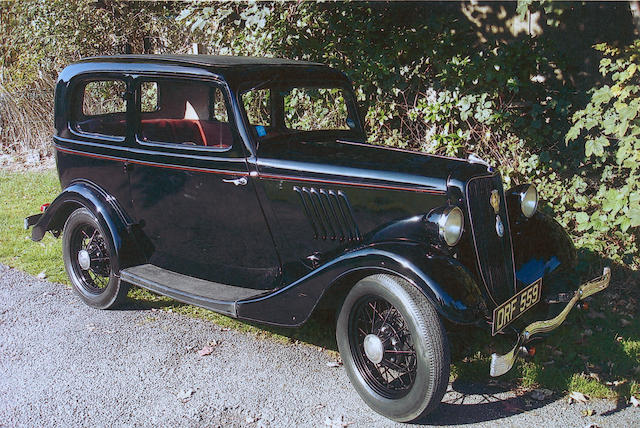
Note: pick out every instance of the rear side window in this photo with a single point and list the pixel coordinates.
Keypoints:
(101, 108)
(184, 112)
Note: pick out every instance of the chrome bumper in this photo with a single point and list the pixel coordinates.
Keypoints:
(500, 364)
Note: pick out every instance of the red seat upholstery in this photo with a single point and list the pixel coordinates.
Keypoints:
(218, 134)
(200, 132)
(173, 131)
(182, 131)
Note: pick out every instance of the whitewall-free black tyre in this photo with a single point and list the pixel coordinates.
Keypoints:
(89, 261)
(394, 347)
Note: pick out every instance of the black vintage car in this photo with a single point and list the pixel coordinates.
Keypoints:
(243, 185)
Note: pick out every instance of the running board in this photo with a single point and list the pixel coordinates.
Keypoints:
(220, 298)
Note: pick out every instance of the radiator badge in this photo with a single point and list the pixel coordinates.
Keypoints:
(499, 226)
(494, 200)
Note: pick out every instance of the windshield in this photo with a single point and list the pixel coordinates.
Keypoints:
(301, 111)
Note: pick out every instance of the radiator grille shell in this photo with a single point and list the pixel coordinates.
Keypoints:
(494, 254)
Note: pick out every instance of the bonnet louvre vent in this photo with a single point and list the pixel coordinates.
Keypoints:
(329, 214)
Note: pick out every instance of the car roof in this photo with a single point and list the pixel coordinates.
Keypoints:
(236, 70)
(206, 60)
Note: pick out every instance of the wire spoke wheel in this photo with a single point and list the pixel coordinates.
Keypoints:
(90, 258)
(382, 347)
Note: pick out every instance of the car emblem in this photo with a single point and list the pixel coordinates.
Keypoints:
(499, 226)
(494, 200)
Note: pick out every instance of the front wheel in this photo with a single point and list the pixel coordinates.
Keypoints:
(394, 347)
(88, 259)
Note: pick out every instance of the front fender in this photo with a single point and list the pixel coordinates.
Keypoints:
(111, 217)
(541, 246)
(446, 283)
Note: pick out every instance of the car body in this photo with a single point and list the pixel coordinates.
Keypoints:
(206, 181)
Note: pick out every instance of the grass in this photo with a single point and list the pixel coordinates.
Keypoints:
(594, 352)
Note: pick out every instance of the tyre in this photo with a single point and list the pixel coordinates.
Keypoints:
(89, 261)
(394, 347)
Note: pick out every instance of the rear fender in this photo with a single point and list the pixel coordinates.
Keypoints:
(444, 282)
(83, 194)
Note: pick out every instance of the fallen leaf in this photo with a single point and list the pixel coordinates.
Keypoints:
(41, 275)
(225, 329)
(577, 396)
(334, 364)
(588, 412)
(616, 383)
(595, 376)
(185, 394)
(634, 401)
(541, 394)
(207, 350)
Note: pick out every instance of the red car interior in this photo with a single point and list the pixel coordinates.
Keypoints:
(209, 133)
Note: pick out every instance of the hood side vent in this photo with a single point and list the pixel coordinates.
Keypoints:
(329, 213)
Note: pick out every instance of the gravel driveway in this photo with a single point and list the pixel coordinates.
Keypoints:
(65, 364)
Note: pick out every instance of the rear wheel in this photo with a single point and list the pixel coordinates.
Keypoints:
(88, 260)
(394, 347)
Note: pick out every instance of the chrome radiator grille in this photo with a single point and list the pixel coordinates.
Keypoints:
(494, 253)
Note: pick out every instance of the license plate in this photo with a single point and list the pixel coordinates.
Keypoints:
(507, 312)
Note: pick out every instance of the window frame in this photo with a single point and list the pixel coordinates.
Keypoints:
(232, 151)
(352, 106)
(75, 105)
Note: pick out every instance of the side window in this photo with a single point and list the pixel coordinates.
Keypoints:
(312, 109)
(101, 108)
(218, 106)
(258, 108)
(149, 97)
(184, 112)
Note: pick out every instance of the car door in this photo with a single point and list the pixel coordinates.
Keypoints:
(193, 196)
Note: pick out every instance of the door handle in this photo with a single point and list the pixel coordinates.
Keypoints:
(242, 181)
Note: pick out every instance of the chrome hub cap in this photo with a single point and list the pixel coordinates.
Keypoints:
(373, 348)
(84, 260)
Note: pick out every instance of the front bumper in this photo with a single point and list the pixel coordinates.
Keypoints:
(501, 364)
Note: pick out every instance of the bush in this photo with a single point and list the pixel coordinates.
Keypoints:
(607, 192)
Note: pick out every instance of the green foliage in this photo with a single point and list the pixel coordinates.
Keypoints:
(608, 128)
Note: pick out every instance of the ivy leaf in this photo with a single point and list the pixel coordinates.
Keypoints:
(572, 134)
(602, 95)
(634, 216)
(596, 146)
(582, 218)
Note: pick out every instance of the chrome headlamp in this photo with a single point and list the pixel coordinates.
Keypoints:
(524, 198)
(451, 225)
(529, 201)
